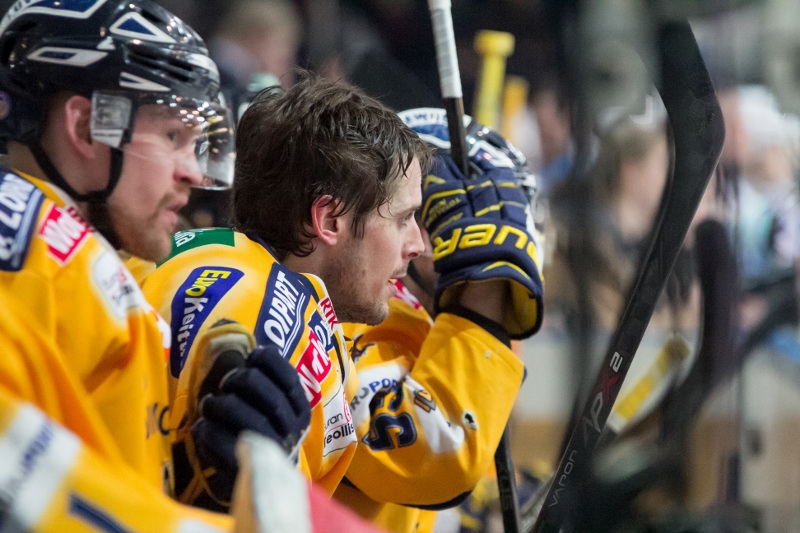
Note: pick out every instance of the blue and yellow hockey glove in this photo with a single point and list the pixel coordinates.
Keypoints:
(481, 229)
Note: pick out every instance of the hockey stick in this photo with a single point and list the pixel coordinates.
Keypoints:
(716, 268)
(609, 498)
(698, 130)
(450, 80)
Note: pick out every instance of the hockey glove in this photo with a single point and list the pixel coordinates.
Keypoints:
(481, 229)
(238, 388)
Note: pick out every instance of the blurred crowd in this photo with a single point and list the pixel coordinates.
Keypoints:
(597, 229)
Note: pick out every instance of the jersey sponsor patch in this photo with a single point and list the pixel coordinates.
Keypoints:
(339, 429)
(37, 456)
(64, 231)
(313, 367)
(282, 315)
(374, 381)
(192, 304)
(117, 285)
(194, 238)
(20, 202)
(330, 315)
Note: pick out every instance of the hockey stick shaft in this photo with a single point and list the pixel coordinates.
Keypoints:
(450, 80)
(696, 123)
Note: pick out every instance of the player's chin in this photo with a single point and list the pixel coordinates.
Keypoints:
(154, 245)
(378, 314)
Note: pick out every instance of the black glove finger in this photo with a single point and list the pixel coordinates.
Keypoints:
(257, 389)
(236, 415)
(215, 445)
(284, 375)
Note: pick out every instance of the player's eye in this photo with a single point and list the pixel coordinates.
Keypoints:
(406, 219)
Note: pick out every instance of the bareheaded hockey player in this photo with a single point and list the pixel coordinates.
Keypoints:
(108, 111)
(327, 184)
(438, 378)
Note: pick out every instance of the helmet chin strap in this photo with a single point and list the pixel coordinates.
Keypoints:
(97, 207)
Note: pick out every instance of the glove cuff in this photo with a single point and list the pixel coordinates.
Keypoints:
(522, 318)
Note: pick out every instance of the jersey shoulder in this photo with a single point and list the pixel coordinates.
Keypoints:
(39, 229)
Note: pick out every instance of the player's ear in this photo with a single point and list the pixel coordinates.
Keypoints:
(327, 221)
(76, 113)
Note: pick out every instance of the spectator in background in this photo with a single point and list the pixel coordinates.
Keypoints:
(255, 46)
(768, 216)
(625, 191)
(257, 37)
(602, 226)
(550, 107)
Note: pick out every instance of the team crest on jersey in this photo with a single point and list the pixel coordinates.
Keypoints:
(356, 351)
(192, 304)
(64, 231)
(20, 202)
(77, 9)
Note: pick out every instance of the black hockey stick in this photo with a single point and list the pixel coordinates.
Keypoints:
(698, 130)
(608, 499)
(450, 80)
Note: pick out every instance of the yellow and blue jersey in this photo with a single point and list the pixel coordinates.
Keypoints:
(433, 401)
(216, 274)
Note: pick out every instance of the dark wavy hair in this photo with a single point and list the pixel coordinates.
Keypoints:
(317, 138)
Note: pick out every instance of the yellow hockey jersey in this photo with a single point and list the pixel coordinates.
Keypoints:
(433, 402)
(84, 302)
(218, 273)
(62, 469)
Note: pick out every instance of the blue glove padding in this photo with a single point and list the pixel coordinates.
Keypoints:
(262, 395)
(481, 229)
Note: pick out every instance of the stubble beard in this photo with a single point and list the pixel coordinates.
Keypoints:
(151, 242)
(343, 281)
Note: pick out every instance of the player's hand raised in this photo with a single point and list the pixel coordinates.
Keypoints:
(480, 228)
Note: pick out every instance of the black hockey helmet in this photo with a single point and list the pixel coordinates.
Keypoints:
(430, 123)
(122, 54)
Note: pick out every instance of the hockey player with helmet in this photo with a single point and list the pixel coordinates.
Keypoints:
(109, 116)
(438, 381)
(327, 183)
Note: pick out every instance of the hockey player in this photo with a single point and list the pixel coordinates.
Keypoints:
(62, 467)
(108, 111)
(437, 379)
(327, 183)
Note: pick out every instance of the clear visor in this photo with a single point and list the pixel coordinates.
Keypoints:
(194, 137)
